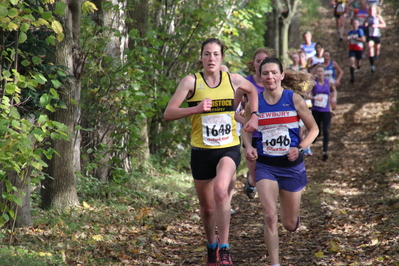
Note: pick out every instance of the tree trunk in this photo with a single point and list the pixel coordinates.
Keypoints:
(23, 213)
(278, 25)
(286, 19)
(107, 19)
(138, 19)
(59, 189)
(272, 34)
(294, 34)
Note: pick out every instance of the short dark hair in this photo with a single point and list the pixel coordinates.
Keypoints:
(274, 60)
(223, 47)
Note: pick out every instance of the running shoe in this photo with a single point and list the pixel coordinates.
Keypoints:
(372, 69)
(212, 257)
(249, 190)
(324, 156)
(307, 152)
(225, 257)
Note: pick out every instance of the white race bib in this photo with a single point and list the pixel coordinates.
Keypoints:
(217, 129)
(321, 100)
(328, 73)
(341, 8)
(275, 140)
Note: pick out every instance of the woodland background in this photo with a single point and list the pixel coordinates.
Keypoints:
(92, 175)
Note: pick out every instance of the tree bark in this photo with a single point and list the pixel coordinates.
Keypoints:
(294, 34)
(23, 213)
(286, 19)
(138, 19)
(59, 190)
(278, 25)
(272, 34)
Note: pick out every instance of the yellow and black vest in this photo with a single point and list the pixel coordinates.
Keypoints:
(216, 128)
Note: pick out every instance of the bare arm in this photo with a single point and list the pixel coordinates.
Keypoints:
(250, 152)
(382, 22)
(306, 116)
(173, 110)
(241, 83)
(333, 96)
(239, 94)
(309, 65)
(340, 72)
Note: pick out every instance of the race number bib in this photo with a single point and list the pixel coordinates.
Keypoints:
(275, 140)
(340, 9)
(321, 100)
(217, 129)
(328, 73)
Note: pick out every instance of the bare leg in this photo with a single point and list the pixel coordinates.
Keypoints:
(223, 191)
(377, 49)
(289, 208)
(268, 192)
(204, 189)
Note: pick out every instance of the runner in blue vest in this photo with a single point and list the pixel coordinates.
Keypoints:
(280, 168)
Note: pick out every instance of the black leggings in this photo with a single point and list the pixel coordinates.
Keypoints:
(323, 121)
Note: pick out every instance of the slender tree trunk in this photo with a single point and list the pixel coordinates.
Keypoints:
(294, 34)
(107, 19)
(138, 19)
(59, 190)
(23, 212)
(286, 19)
(272, 34)
(278, 25)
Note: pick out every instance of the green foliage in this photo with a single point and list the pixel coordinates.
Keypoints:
(121, 222)
(389, 163)
(309, 11)
(135, 91)
(29, 86)
(21, 255)
(243, 33)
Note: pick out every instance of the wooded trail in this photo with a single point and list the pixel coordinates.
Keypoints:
(349, 211)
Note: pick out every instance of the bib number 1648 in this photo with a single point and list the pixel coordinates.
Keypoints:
(221, 131)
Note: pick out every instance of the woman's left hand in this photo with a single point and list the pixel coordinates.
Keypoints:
(293, 154)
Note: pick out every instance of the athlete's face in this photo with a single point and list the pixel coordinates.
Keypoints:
(355, 24)
(302, 57)
(307, 37)
(319, 49)
(295, 58)
(258, 60)
(373, 11)
(212, 57)
(320, 72)
(271, 76)
(326, 56)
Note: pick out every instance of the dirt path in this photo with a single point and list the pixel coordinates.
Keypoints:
(349, 211)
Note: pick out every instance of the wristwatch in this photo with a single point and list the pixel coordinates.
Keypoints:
(300, 149)
(255, 112)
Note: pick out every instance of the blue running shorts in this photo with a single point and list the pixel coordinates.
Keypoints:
(291, 179)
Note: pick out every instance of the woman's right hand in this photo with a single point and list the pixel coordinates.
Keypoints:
(205, 105)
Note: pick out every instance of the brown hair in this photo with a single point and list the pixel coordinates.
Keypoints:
(223, 48)
(268, 52)
(293, 80)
